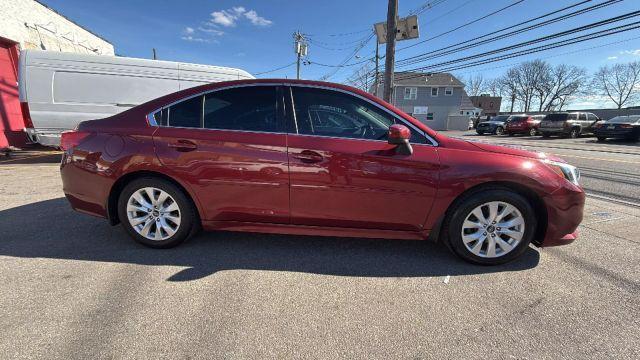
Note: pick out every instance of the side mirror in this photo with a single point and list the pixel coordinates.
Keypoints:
(399, 135)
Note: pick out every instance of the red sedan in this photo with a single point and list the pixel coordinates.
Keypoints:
(312, 158)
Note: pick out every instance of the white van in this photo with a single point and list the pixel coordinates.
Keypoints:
(59, 90)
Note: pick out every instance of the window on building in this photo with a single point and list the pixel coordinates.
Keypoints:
(429, 116)
(410, 93)
(448, 91)
(250, 108)
(461, 112)
(434, 91)
(187, 113)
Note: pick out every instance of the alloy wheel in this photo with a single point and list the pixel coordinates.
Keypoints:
(153, 213)
(499, 130)
(532, 132)
(493, 229)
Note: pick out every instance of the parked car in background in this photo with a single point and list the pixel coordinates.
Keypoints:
(627, 127)
(58, 90)
(523, 124)
(495, 126)
(571, 124)
(231, 156)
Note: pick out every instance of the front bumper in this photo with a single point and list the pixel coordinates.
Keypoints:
(565, 208)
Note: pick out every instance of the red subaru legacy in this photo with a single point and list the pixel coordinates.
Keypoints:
(312, 158)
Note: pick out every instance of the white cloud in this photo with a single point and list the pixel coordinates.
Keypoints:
(210, 29)
(630, 52)
(612, 57)
(257, 20)
(230, 17)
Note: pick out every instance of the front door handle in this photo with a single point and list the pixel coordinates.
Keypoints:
(308, 156)
(183, 145)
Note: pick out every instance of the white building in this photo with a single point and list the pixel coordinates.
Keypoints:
(29, 24)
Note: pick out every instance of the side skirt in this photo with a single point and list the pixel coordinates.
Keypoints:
(313, 230)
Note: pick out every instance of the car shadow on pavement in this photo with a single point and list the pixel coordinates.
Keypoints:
(50, 229)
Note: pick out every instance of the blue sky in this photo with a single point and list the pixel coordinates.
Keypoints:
(257, 35)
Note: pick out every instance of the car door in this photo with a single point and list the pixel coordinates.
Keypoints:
(229, 145)
(343, 172)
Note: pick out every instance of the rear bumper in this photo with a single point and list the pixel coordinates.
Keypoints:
(565, 209)
(622, 133)
(554, 130)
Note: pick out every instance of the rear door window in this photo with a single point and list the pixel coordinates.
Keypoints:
(583, 116)
(187, 113)
(251, 108)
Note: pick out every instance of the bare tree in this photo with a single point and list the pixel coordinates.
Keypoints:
(509, 87)
(475, 85)
(620, 82)
(494, 87)
(363, 78)
(565, 81)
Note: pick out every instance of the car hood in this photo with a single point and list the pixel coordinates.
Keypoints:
(499, 149)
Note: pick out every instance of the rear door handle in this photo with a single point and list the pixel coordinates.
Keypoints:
(183, 145)
(308, 156)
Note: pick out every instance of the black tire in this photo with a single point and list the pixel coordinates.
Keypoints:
(462, 208)
(533, 132)
(601, 138)
(546, 135)
(189, 219)
(575, 133)
(499, 130)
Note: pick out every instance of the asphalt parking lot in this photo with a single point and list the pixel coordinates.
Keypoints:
(75, 287)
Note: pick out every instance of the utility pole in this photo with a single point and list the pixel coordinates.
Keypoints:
(300, 48)
(376, 80)
(392, 25)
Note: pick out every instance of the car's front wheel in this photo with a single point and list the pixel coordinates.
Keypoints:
(533, 132)
(491, 227)
(156, 213)
(499, 130)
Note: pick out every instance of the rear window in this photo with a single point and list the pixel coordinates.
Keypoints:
(500, 118)
(556, 117)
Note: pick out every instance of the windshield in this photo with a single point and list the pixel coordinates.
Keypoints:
(631, 119)
(556, 117)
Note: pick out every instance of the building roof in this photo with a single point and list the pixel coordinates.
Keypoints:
(80, 26)
(426, 79)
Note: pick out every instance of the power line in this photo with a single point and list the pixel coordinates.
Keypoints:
(461, 26)
(541, 39)
(276, 69)
(426, 6)
(457, 47)
(595, 35)
(349, 57)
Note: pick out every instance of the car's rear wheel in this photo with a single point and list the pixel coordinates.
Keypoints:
(532, 132)
(156, 213)
(499, 130)
(575, 133)
(491, 227)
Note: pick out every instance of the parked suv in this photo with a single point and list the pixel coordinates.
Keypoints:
(572, 124)
(523, 124)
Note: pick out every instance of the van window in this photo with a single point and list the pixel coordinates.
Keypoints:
(251, 108)
(187, 113)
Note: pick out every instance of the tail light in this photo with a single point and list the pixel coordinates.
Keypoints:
(72, 138)
(26, 116)
(598, 126)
